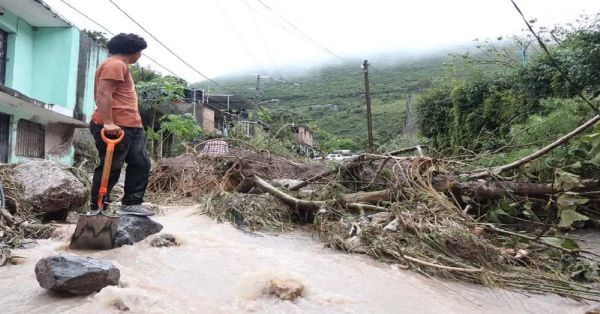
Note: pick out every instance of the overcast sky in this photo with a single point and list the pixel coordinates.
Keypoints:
(222, 37)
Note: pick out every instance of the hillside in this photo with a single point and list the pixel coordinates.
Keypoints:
(331, 99)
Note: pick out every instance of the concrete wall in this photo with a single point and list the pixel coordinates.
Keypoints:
(57, 142)
(208, 120)
(305, 136)
(55, 59)
(42, 62)
(19, 66)
(90, 57)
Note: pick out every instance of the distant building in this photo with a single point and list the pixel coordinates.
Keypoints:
(47, 71)
(220, 113)
(304, 136)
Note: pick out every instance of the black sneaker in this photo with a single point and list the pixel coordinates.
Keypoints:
(136, 210)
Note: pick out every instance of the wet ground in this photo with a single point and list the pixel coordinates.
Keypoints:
(219, 269)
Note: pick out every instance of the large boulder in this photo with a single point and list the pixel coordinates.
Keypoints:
(49, 187)
(75, 274)
(132, 229)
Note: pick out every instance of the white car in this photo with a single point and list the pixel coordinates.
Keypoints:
(336, 157)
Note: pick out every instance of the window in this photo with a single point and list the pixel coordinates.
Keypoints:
(30, 139)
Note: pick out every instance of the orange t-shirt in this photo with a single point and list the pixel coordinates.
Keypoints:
(125, 111)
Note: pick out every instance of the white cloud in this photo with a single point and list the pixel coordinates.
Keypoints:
(225, 36)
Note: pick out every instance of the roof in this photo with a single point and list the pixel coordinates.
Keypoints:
(36, 12)
(235, 102)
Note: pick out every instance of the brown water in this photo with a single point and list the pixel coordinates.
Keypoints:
(219, 269)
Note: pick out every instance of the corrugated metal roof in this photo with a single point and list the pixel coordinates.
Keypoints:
(235, 102)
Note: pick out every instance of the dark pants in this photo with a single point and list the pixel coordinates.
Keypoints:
(132, 150)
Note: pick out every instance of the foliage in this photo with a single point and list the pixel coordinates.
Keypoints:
(264, 114)
(97, 36)
(332, 98)
(144, 74)
(184, 127)
(476, 111)
(159, 92)
(156, 96)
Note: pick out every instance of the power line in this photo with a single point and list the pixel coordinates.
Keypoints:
(239, 37)
(300, 31)
(112, 34)
(262, 38)
(161, 43)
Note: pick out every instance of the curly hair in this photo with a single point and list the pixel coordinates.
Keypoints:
(126, 44)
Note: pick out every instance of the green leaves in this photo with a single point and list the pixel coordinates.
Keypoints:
(184, 127)
(560, 242)
(567, 204)
(566, 181)
(158, 92)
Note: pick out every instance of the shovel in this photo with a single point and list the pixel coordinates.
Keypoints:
(95, 229)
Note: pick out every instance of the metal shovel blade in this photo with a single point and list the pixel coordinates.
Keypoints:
(94, 231)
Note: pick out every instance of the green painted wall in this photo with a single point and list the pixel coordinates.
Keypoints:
(55, 58)
(43, 64)
(19, 65)
(18, 114)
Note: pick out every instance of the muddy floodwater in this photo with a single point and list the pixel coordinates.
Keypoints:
(219, 269)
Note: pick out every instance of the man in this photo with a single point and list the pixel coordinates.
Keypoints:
(117, 111)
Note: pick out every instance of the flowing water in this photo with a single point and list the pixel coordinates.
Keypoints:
(219, 269)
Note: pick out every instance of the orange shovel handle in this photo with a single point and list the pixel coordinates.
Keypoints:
(108, 158)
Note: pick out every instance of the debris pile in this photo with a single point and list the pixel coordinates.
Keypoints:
(418, 212)
(194, 175)
(252, 211)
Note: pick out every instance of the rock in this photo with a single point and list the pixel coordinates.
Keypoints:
(286, 289)
(76, 275)
(49, 187)
(393, 225)
(132, 229)
(164, 240)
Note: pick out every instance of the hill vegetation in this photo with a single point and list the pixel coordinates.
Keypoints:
(332, 99)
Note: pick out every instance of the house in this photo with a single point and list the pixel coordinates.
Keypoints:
(220, 113)
(303, 133)
(304, 136)
(47, 69)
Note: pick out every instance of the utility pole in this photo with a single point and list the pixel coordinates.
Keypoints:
(256, 99)
(368, 99)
